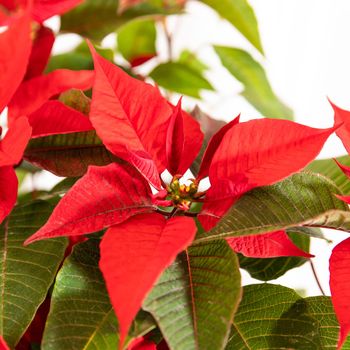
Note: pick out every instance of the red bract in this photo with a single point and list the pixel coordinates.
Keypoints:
(142, 344)
(341, 116)
(340, 287)
(139, 126)
(132, 119)
(42, 9)
(134, 254)
(3, 345)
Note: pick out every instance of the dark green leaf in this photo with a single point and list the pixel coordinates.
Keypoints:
(95, 19)
(179, 77)
(240, 14)
(68, 154)
(194, 300)
(257, 89)
(330, 169)
(275, 317)
(303, 199)
(137, 40)
(272, 268)
(26, 272)
(81, 316)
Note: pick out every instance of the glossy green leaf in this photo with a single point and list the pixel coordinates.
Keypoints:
(195, 299)
(271, 268)
(257, 89)
(303, 199)
(136, 40)
(240, 14)
(179, 77)
(95, 19)
(275, 317)
(68, 154)
(26, 272)
(330, 169)
(81, 316)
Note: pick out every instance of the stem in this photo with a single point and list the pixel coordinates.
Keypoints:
(316, 277)
(169, 39)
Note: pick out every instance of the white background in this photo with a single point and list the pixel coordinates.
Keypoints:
(307, 58)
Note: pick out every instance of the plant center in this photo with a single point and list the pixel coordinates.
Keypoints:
(182, 195)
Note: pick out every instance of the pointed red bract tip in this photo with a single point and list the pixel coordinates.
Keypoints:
(145, 245)
(175, 140)
(345, 169)
(3, 345)
(268, 245)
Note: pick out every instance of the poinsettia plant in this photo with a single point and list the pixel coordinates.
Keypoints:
(140, 245)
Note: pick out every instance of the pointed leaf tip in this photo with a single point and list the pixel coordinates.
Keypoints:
(142, 246)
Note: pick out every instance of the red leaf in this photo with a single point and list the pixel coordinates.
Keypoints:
(175, 140)
(268, 245)
(128, 114)
(8, 193)
(105, 196)
(15, 46)
(15, 142)
(3, 345)
(33, 93)
(42, 45)
(265, 151)
(133, 256)
(212, 147)
(345, 169)
(193, 139)
(339, 266)
(342, 116)
(142, 343)
(54, 117)
(43, 9)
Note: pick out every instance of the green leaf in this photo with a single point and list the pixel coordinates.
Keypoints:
(81, 315)
(77, 100)
(194, 300)
(257, 89)
(330, 169)
(77, 59)
(271, 268)
(240, 14)
(26, 272)
(137, 40)
(179, 77)
(68, 154)
(276, 317)
(303, 199)
(95, 19)
(189, 59)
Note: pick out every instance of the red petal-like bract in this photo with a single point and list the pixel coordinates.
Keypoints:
(15, 142)
(142, 343)
(132, 118)
(15, 46)
(129, 115)
(268, 245)
(342, 116)
(105, 196)
(33, 93)
(212, 147)
(134, 254)
(8, 193)
(175, 140)
(339, 267)
(42, 9)
(265, 151)
(3, 345)
(54, 117)
(257, 153)
(41, 50)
